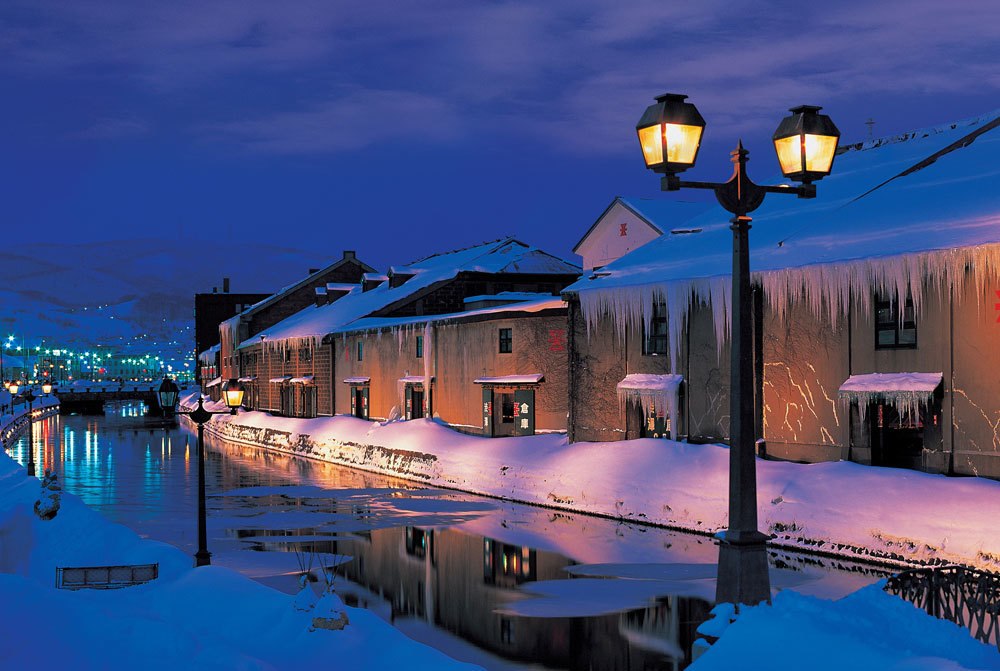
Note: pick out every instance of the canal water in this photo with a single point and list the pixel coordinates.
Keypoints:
(503, 585)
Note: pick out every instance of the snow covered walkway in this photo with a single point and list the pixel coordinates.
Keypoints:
(205, 618)
(840, 508)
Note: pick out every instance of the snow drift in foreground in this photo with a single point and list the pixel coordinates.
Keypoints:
(206, 618)
(868, 629)
(841, 508)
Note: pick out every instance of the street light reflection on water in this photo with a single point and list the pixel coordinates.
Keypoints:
(511, 582)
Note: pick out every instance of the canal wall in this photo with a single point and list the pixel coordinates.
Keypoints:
(13, 426)
(887, 516)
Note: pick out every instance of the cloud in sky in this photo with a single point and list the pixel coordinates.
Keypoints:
(517, 68)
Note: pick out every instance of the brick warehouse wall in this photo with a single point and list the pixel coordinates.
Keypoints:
(459, 352)
(271, 362)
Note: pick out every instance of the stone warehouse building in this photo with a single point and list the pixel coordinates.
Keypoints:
(250, 322)
(405, 340)
(875, 329)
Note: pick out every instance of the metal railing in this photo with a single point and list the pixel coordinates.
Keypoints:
(105, 577)
(968, 597)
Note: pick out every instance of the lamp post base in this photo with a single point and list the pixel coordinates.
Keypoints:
(202, 558)
(743, 577)
(31, 469)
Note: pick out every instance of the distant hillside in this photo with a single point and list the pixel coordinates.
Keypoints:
(132, 290)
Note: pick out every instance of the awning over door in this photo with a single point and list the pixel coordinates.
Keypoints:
(305, 379)
(904, 391)
(414, 379)
(252, 378)
(357, 380)
(651, 391)
(279, 380)
(510, 380)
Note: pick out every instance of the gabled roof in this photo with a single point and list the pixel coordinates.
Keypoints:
(499, 256)
(348, 257)
(933, 189)
(659, 214)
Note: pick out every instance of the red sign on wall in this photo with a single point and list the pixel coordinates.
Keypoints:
(996, 306)
(623, 230)
(557, 340)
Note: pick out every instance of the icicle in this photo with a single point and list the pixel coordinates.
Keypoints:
(826, 289)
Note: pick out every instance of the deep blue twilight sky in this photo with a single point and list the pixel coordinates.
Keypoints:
(402, 128)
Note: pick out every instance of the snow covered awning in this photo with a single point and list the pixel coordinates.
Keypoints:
(534, 378)
(414, 379)
(357, 380)
(213, 383)
(904, 391)
(655, 393)
(279, 380)
(252, 378)
(305, 379)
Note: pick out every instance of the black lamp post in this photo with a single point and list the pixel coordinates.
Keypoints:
(670, 134)
(166, 396)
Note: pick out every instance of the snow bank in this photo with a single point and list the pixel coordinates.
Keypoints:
(205, 618)
(868, 629)
(840, 508)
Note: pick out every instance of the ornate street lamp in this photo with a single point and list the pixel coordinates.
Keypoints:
(232, 392)
(47, 387)
(166, 396)
(13, 387)
(806, 142)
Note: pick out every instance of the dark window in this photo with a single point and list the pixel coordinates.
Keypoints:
(305, 355)
(361, 351)
(506, 341)
(420, 347)
(287, 355)
(655, 342)
(893, 329)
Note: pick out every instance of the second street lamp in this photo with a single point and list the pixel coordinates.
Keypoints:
(670, 134)
(166, 396)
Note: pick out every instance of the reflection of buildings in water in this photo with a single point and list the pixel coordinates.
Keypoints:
(458, 581)
(668, 628)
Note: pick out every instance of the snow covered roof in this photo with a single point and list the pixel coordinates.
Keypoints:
(305, 379)
(534, 378)
(357, 380)
(639, 382)
(918, 205)
(500, 256)
(891, 382)
(905, 391)
(661, 214)
(280, 379)
(885, 197)
(208, 356)
(511, 296)
(371, 323)
(414, 379)
(250, 378)
(280, 293)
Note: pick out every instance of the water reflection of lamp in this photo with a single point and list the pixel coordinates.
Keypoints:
(166, 396)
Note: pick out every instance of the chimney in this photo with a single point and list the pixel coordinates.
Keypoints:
(398, 278)
(349, 254)
(225, 285)
(371, 280)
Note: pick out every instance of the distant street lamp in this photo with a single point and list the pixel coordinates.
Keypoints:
(166, 396)
(670, 134)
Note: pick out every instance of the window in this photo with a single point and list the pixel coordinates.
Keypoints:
(287, 355)
(361, 351)
(892, 329)
(305, 355)
(655, 343)
(506, 341)
(420, 347)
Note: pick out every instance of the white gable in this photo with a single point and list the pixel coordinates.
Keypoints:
(615, 234)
